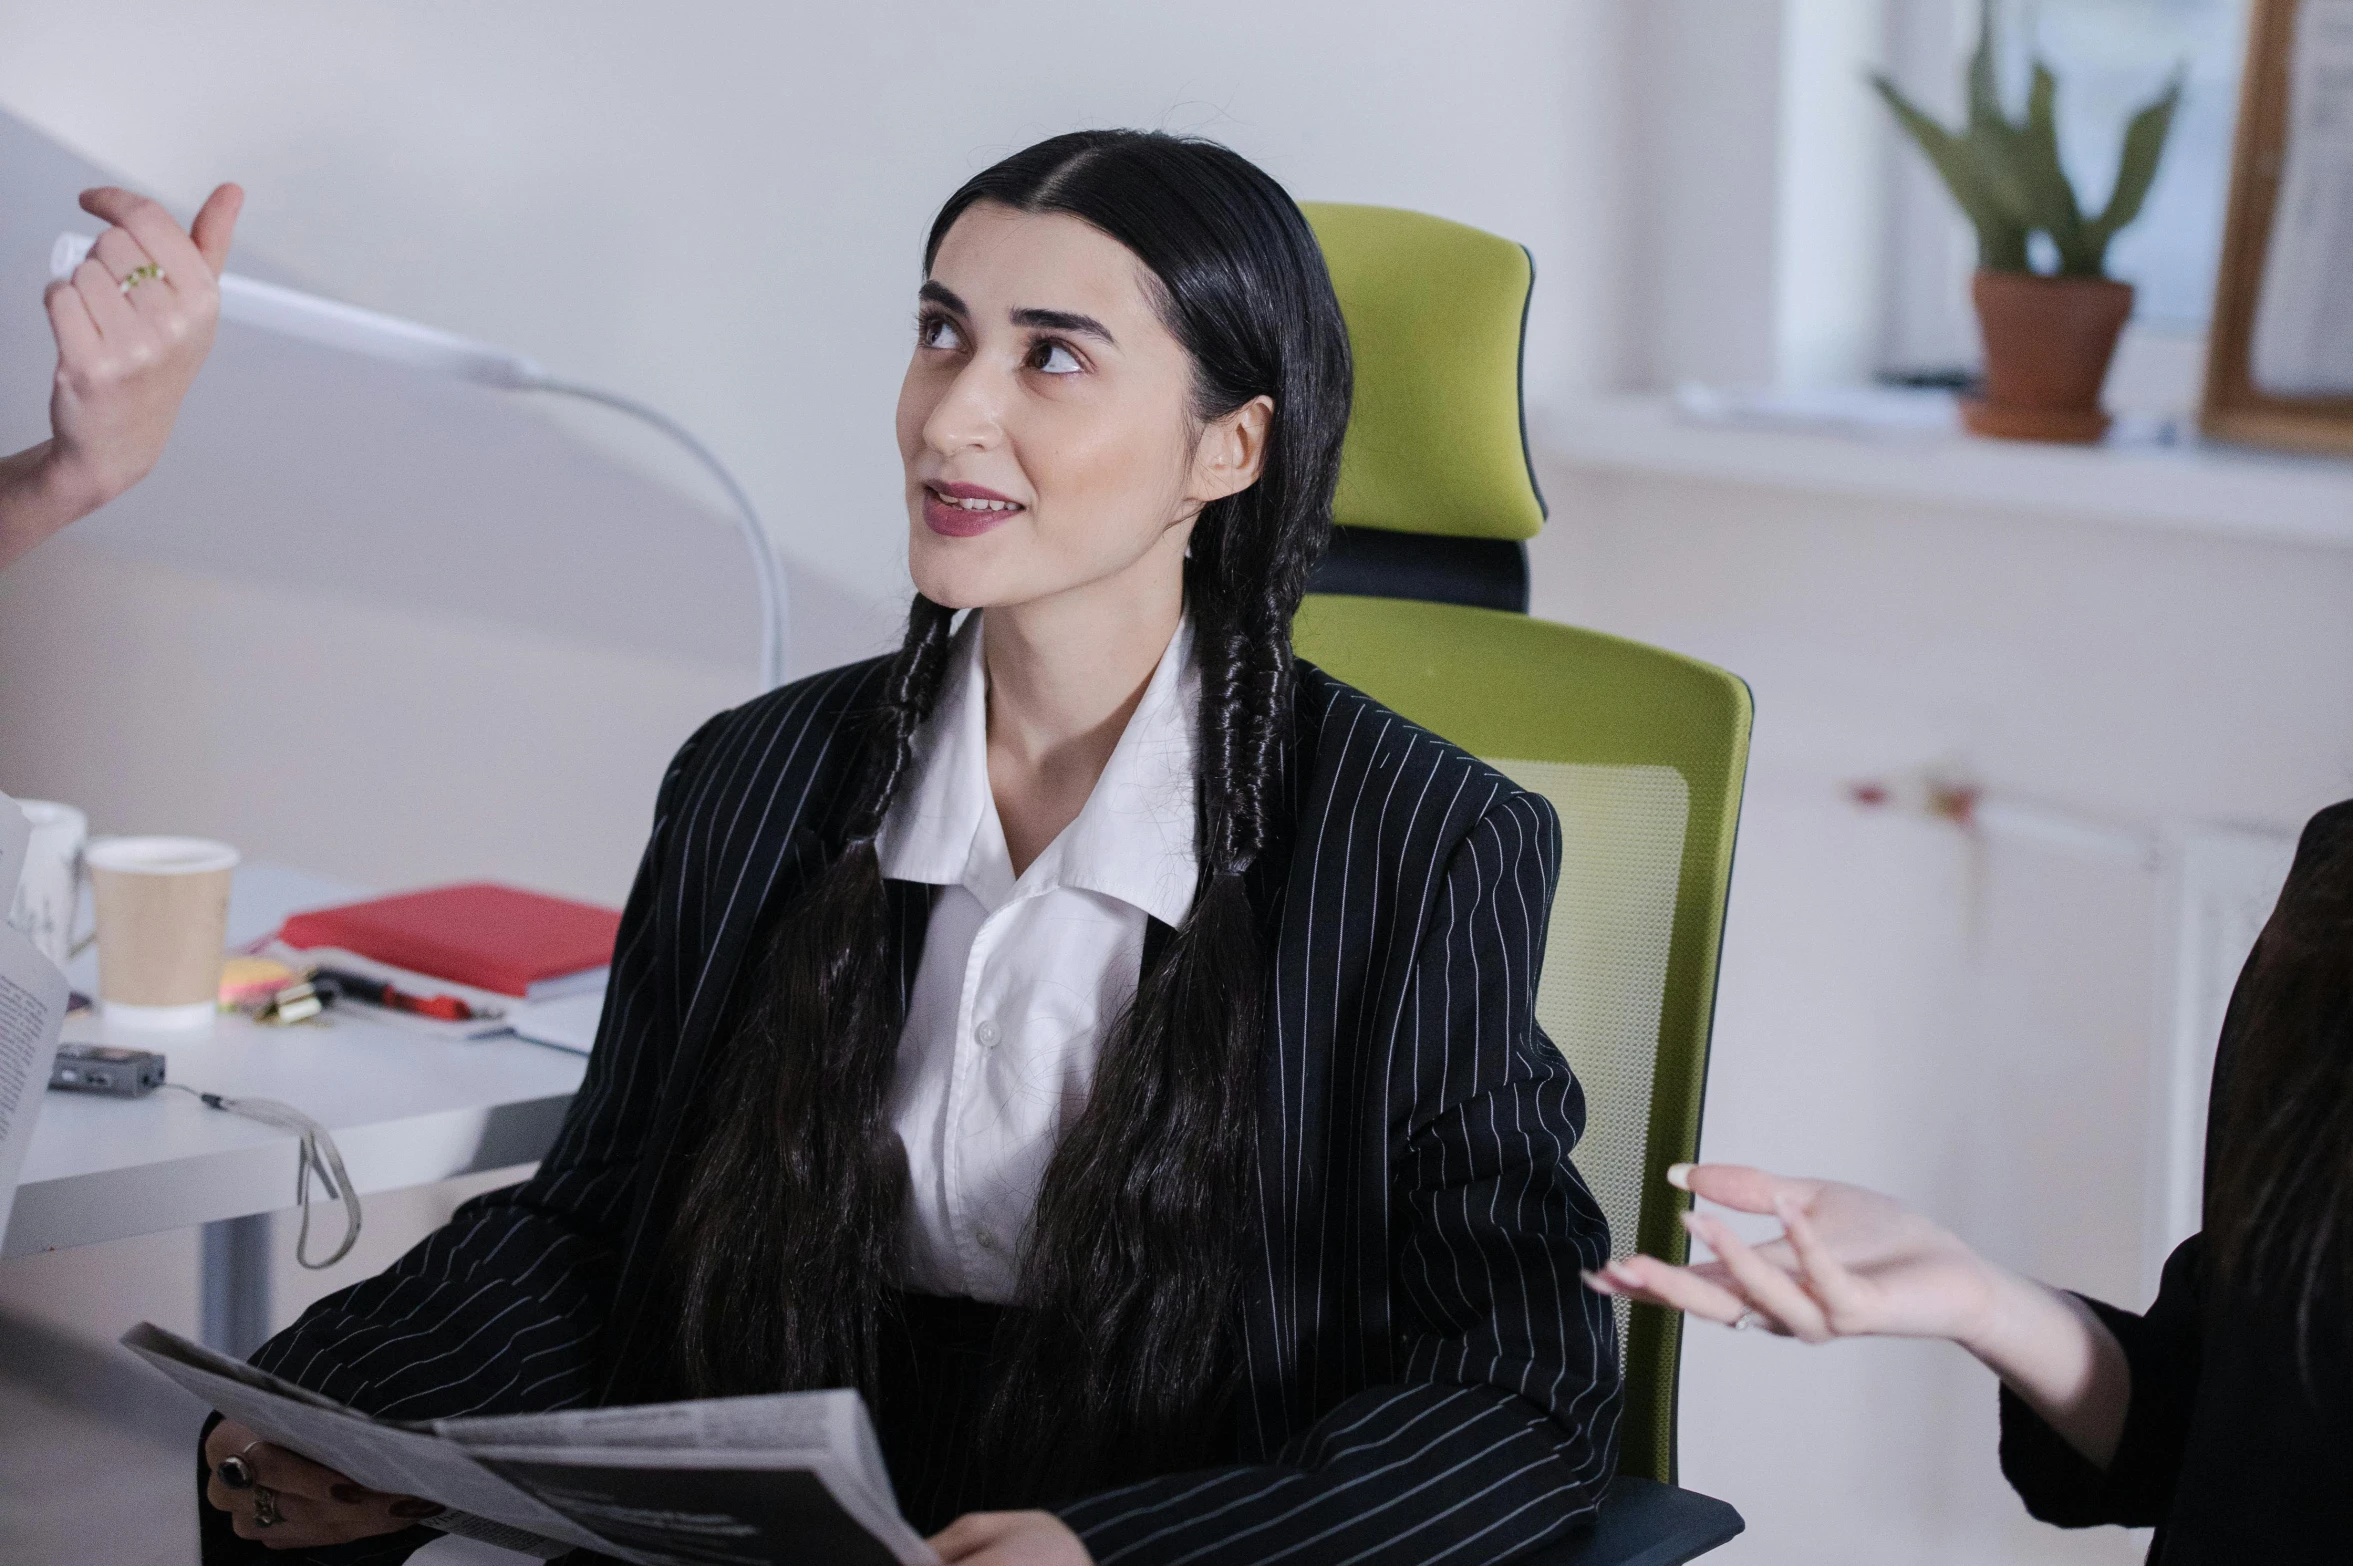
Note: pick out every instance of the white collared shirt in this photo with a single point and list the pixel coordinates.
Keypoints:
(1022, 977)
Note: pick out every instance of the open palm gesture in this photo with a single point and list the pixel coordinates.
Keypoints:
(1849, 1263)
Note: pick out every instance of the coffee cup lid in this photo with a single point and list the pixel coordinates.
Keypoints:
(160, 855)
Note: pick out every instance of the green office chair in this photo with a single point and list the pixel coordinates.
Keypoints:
(1423, 604)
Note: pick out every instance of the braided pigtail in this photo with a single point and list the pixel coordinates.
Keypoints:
(1124, 1364)
(786, 1239)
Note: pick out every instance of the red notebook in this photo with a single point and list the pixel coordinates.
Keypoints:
(492, 937)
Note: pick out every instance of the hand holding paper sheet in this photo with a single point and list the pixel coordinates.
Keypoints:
(792, 1479)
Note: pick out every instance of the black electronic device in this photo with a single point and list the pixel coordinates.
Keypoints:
(103, 1068)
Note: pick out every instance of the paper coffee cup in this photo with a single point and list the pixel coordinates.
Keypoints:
(163, 918)
(51, 886)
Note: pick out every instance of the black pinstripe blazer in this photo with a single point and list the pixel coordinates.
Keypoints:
(1426, 1380)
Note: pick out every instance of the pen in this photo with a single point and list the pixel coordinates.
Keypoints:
(359, 987)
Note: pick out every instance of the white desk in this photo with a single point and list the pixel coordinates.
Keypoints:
(405, 1108)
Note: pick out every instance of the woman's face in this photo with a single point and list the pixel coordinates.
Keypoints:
(1046, 420)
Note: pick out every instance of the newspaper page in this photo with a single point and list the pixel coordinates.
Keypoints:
(32, 1010)
(2303, 339)
(808, 1464)
(794, 1479)
(382, 1455)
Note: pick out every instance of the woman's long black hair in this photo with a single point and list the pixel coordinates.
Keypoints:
(2279, 1198)
(785, 1248)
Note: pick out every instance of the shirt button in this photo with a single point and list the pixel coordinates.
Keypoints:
(988, 1033)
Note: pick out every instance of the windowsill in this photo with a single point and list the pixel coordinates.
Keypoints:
(2218, 490)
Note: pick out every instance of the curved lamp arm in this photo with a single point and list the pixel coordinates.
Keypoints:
(767, 570)
(333, 324)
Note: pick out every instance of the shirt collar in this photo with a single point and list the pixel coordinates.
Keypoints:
(1132, 840)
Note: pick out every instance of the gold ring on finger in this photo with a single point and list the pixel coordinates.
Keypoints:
(145, 272)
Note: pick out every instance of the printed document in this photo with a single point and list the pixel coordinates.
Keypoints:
(794, 1479)
(32, 1010)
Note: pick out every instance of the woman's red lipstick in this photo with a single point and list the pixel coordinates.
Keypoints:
(965, 510)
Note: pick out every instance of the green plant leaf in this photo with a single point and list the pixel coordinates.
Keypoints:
(1975, 188)
(1985, 91)
(2136, 167)
(1997, 145)
(2050, 199)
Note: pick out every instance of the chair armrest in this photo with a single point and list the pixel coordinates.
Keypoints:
(1645, 1523)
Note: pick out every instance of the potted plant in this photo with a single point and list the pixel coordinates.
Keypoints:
(2048, 336)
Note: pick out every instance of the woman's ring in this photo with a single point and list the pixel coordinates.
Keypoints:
(265, 1507)
(145, 272)
(233, 1471)
(1748, 1319)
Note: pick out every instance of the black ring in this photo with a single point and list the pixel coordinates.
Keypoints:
(234, 1472)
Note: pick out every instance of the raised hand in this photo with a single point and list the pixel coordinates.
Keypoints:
(1849, 1263)
(133, 324)
(126, 355)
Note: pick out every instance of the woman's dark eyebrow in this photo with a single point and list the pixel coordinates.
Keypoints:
(940, 294)
(1062, 321)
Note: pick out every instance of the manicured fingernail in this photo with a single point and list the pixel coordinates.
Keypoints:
(346, 1491)
(415, 1506)
(1679, 1176)
(1597, 1283)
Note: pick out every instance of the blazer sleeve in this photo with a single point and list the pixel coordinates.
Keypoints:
(1501, 1431)
(500, 1310)
(2164, 1350)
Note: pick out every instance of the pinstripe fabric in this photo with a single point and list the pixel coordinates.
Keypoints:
(1425, 1379)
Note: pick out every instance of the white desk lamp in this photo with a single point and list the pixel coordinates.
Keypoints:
(333, 324)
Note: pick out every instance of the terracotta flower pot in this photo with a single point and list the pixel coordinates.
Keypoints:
(2048, 341)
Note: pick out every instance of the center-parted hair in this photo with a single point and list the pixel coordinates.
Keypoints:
(785, 1250)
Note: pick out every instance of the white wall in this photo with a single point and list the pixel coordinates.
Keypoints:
(1967, 1023)
(720, 206)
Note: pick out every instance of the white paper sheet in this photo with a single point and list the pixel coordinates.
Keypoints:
(16, 834)
(2303, 339)
(32, 1009)
(566, 1023)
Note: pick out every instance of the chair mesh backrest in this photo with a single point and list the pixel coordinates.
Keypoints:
(1640, 751)
(1605, 961)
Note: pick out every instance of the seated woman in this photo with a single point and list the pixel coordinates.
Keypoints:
(1101, 1039)
(2224, 1416)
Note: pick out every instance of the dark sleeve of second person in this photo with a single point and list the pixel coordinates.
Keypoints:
(1499, 1431)
(500, 1310)
(2164, 1350)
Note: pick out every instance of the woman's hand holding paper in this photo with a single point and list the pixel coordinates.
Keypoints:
(288, 1502)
